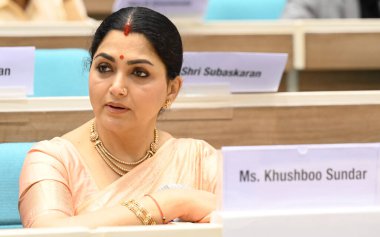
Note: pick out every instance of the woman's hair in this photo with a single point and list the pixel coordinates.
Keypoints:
(157, 29)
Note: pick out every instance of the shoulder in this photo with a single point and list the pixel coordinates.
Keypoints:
(57, 152)
(54, 146)
(46, 160)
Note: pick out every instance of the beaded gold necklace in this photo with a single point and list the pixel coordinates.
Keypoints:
(117, 165)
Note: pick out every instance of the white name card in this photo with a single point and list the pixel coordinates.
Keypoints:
(17, 68)
(300, 176)
(244, 72)
(168, 7)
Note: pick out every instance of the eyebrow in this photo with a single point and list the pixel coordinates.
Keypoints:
(129, 62)
(106, 56)
(138, 61)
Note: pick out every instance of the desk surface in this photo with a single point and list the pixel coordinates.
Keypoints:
(206, 101)
(239, 119)
(350, 222)
(172, 230)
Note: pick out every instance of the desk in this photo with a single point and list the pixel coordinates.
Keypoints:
(342, 45)
(173, 230)
(47, 34)
(241, 119)
(311, 44)
(332, 222)
(327, 223)
(319, 50)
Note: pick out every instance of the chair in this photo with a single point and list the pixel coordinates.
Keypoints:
(244, 9)
(61, 72)
(11, 159)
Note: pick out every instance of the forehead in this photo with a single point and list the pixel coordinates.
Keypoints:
(115, 42)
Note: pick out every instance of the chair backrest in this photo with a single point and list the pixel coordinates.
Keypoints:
(244, 9)
(61, 72)
(11, 159)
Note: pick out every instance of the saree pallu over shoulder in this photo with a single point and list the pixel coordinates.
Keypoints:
(185, 163)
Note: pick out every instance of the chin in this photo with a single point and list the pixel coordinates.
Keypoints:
(113, 123)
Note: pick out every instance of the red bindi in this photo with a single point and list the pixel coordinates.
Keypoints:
(121, 57)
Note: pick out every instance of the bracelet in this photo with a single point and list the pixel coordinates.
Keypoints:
(163, 218)
(144, 216)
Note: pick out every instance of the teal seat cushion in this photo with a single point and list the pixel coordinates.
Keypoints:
(244, 9)
(10, 226)
(61, 72)
(11, 160)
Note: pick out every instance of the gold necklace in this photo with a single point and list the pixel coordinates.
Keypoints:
(114, 163)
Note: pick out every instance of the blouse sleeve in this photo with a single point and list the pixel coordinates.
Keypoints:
(44, 186)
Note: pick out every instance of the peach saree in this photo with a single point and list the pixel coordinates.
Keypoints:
(54, 178)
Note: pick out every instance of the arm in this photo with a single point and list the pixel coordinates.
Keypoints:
(46, 199)
(189, 205)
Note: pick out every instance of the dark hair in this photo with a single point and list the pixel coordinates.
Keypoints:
(157, 29)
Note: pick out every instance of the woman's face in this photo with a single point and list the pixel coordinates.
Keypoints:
(127, 83)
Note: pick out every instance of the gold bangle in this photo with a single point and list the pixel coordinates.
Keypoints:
(142, 214)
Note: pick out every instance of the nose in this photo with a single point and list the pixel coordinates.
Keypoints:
(119, 86)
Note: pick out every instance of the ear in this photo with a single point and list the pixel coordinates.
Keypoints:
(174, 86)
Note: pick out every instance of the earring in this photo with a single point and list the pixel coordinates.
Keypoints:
(167, 104)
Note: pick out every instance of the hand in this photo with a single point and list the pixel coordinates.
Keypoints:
(186, 204)
(199, 205)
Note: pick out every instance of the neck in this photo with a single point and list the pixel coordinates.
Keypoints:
(128, 144)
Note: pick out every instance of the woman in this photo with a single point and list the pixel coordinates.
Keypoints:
(118, 169)
(41, 10)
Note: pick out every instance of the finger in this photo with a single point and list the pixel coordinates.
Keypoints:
(205, 219)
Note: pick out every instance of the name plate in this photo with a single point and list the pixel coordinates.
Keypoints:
(17, 68)
(244, 72)
(300, 176)
(168, 7)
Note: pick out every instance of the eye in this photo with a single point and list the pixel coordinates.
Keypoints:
(140, 73)
(104, 68)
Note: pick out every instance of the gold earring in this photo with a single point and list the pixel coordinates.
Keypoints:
(167, 104)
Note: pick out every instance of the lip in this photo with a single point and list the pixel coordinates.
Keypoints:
(114, 107)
